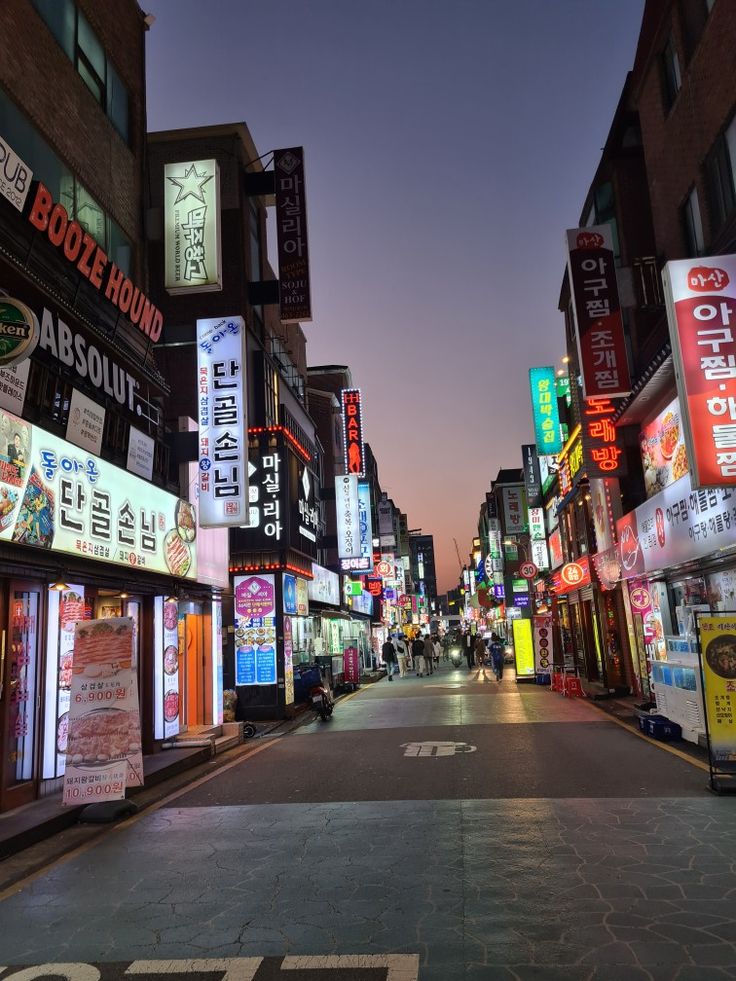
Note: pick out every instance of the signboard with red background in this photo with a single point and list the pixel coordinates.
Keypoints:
(701, 311)
(600, 329)
(352, 427)
(602, 445)
(572, 576)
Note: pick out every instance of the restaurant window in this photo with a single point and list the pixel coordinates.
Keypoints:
(719, 168)
(671, 75)
(692, 224)
(79, 41)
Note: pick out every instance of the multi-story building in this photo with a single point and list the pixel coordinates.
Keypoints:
(90, 500)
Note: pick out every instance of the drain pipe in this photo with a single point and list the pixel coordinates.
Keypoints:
(194, 743)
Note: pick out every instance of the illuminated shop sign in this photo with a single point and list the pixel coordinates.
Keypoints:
(15, 176)
(81, 250)
(223, 429)
(602, 445)
(192, 260)
(324, 587)
(663, 452)
(537, 530)
(599, 324)
(545, 410)
(701, 309)
(291, 232)
(352, 427)
(572, 576)
(348, 517)
(255, 630)
(366, 527)
(532, 477)
(19, 332)
(57, 497)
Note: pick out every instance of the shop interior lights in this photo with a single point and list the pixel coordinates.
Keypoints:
(123, 595)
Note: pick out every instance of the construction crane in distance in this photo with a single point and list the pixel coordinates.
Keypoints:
(457, 550)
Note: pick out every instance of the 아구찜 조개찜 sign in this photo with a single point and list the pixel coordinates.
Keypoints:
(54, 495)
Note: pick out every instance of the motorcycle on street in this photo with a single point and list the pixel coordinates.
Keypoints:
(322, 700)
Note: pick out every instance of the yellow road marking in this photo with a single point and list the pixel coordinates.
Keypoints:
(654, 742)
(128, 822)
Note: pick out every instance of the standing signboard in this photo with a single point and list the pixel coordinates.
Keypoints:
(599, 324)
(192, 253)
(523, 648)
(255, 630)
(717, 655)
(545, 411)
(291, 232)
(701, 304)
(103, 753)
(223, 429)
(543, 643)
(288, 662)
(351, 665)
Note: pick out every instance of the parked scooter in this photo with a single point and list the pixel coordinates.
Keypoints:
(322, 700)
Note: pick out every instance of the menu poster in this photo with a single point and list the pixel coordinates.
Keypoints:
(171, 668)
(663, 452)
(288, 662)
(718, 647)
(543, 644)
(104, 737)
(73, 608)
(255, 630)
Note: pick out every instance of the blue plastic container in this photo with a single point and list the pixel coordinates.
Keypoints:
(658, 727)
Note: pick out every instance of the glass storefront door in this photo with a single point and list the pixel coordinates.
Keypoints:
(19, 677)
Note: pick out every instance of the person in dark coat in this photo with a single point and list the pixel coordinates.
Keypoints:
(469, 648)
(417, 653)
(497, 655)
(388, 653)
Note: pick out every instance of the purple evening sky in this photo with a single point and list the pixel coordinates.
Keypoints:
(449, 144)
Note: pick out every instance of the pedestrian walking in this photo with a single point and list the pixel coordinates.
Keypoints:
(417, 653)
(429, 654)
(497, 655)
(437, 651)
(388, 653)
(402, 654)
(468, 648)
(480, 651)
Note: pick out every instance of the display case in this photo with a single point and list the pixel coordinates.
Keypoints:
(678, 688)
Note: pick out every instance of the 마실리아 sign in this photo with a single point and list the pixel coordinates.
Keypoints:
(599, 325)
(701, 312)
(223, 430)
(291, 233)
(192, 261)
(545, 411)
(55, 496)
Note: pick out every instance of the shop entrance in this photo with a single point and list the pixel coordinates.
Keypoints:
(197, 674)
(19, 679)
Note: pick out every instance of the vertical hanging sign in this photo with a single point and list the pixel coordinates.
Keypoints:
(701, 311)
(223, 428)
(545, 410)
(295, 300)
(192, 254)
(599, 325)
(348, 517)
(352, 427)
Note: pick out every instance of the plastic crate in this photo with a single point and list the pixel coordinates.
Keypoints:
(658, 727)
(543, 679)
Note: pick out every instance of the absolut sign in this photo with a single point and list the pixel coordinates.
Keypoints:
(15, 176)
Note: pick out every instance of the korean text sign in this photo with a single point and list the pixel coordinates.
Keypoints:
(602, 445)
(543, 643)
(223, 430)
(291, 233)
(56, 496)
(352, 427)
(348, 516)
(701, 311)
(255, 630)
(192, 256)
(514, 510)
(104, 729)
(718, 647)
(545, 410)
(599, 325)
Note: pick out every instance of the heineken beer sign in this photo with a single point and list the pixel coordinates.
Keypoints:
(19, 331)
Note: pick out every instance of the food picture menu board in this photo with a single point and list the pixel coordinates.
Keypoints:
(718, 647)
(73, 608)
(171, 692)
(255, 630)
(56, 496)
(104, 738)
(663, 452)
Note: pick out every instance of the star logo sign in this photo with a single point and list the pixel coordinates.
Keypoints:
(305, 483)
(192, 184)
(254, 588)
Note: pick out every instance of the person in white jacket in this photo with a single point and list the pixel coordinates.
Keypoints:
(402, 653)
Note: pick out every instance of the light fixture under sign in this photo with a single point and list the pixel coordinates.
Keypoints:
(59, 585)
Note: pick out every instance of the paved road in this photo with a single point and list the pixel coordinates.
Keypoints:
(449, 825)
